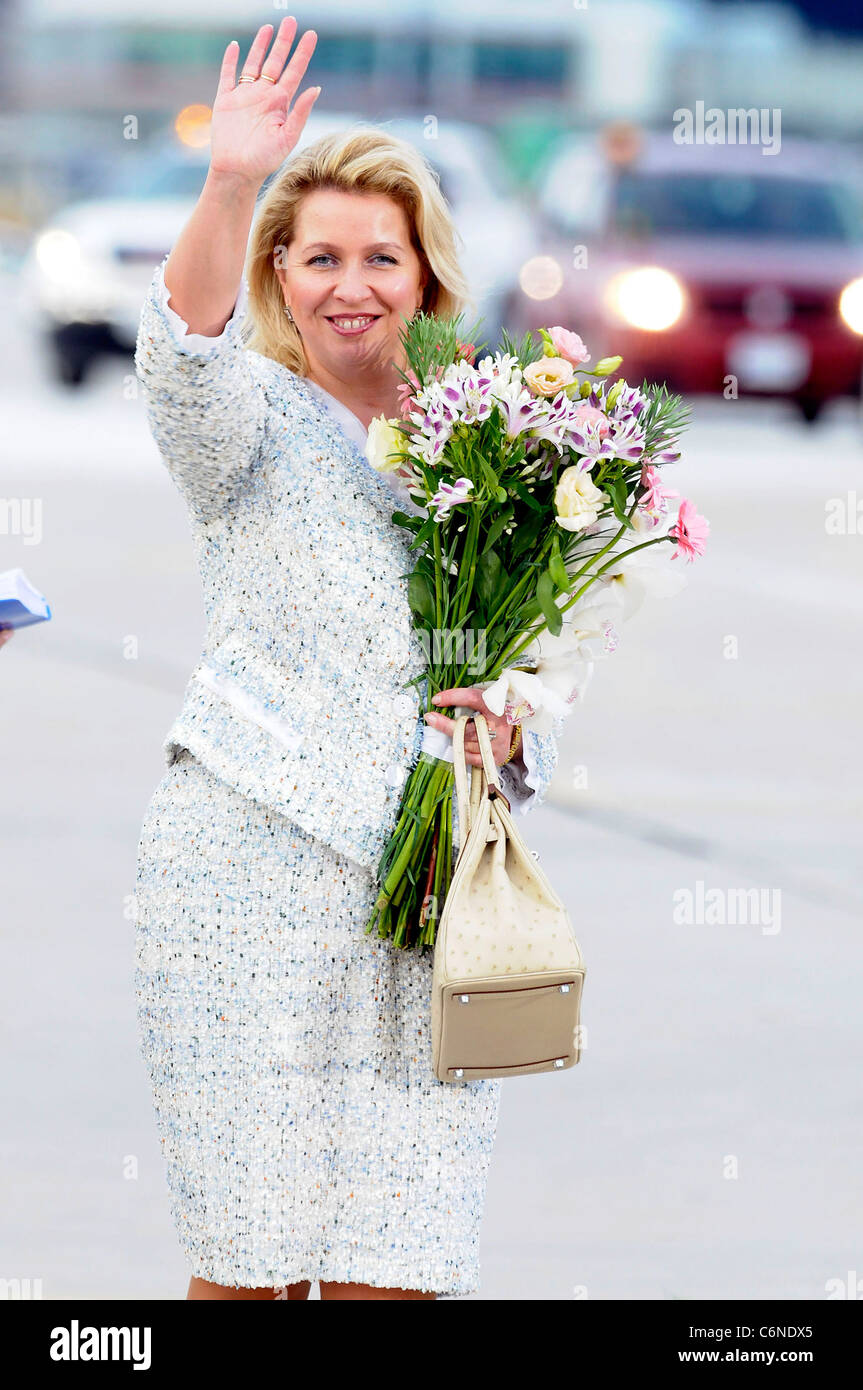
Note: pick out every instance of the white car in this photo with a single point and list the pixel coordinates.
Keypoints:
(86, 274)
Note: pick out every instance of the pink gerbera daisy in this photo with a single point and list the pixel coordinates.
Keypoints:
(690, 530)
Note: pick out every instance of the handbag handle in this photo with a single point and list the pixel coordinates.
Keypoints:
(482, 779)
(468, 805)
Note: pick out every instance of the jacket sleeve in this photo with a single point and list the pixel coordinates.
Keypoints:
(527, 789)
(205, 409)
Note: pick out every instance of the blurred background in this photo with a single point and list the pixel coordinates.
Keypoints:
(677, 181)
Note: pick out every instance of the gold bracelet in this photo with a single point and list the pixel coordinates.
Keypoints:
(515, 744)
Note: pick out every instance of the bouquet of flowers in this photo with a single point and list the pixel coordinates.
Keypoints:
(540, 519)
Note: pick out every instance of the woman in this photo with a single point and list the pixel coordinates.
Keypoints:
(305, 1134)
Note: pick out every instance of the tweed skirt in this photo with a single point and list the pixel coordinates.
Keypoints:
(289, 1056)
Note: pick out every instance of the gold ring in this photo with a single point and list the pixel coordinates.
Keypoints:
(266, 78)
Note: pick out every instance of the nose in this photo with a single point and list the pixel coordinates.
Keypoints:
(351, 287)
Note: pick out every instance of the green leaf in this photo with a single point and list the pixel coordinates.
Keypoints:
(487, 578)
(556, 567)
(425, 533)
(545, 598)
(525, 538)
(528, 497)
(488, 472)
(497, 526)
(421, 597)
(616, 489)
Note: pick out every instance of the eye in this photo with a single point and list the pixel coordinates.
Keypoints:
(380, 256)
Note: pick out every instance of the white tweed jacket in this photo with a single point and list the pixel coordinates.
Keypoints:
(299, 698)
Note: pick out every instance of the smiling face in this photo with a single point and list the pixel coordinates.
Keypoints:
(351, 276)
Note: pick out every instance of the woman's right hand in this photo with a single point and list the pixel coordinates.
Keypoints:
(252, 130)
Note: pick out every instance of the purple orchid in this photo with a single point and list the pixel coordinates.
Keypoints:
(626, 440)
(471, 396)
(520, 413)
(630, 401)
(450, 495)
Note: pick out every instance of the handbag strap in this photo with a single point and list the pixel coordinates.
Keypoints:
(482, 777)
(468, 802)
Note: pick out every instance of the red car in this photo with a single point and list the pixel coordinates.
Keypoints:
(716, 268)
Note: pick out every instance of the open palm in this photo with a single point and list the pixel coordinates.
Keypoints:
(254, 128)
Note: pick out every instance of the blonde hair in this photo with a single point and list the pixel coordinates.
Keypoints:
(362, 159)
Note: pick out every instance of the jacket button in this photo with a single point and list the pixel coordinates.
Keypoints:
(394, 775)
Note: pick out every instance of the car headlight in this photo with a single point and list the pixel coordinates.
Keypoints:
(58, 254)
(851, 305)
(649, 298)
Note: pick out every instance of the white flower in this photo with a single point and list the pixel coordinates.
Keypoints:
(649, 521)
(577, 501)
(539, 700)
(383, 441)
(643, 572)
(518, 693)
(564, 663)
(567, 678)
(589, 627)
(503, 366)
(525, 699)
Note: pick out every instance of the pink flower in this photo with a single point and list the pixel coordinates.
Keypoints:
(569, 346)
(690, 531)
(406, 393)
(654, 497)
(592, 415)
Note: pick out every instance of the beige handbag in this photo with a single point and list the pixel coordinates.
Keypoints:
(508, 971)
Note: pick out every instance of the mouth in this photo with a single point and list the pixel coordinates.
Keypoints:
(352, 326)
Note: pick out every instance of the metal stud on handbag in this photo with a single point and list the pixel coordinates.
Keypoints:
(508, 971)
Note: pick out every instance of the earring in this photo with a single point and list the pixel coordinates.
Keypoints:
(288, 312)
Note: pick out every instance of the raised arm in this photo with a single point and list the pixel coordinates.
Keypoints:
(205, 411)
(252, 132)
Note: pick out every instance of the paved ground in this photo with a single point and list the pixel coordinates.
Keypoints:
(708, 1144)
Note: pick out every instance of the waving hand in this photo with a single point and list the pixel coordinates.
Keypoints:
(254, 128)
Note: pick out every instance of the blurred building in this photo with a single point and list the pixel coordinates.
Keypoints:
(76, 72)
(467, 58)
